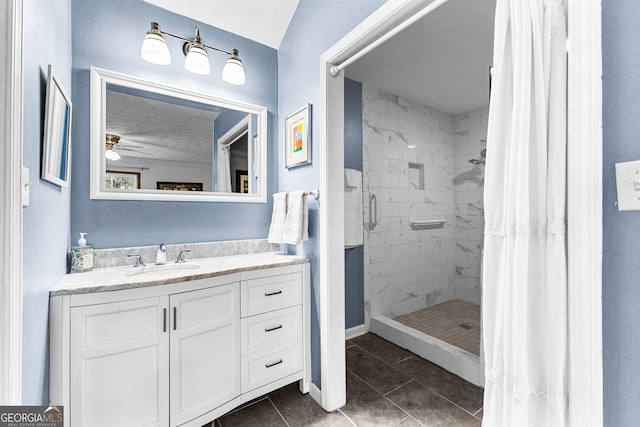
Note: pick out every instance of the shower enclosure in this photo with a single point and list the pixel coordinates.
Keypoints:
(423, 284)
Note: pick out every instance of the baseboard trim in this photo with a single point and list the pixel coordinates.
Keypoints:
(356, 331)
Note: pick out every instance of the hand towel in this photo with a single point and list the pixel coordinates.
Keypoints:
(353, 219)
(352, 178)
(278, 217)
(297, 223)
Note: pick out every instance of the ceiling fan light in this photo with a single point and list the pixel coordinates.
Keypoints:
(154, 47)
(197, 60)
(110, 154)
(233, 71)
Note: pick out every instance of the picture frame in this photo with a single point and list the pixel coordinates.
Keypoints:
(298, 137)
(242, 181)
(179, 186)
(56, 145)
(122, 180)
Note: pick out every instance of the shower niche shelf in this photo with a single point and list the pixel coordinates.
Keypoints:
(416, 176)
(426, 224)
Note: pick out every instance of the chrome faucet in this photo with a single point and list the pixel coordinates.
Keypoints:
(181, 256)
(138, 260)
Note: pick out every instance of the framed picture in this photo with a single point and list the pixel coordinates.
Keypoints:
(120, 180)
(56, 155)
(298, 137)
(242, 181)
(179, 186)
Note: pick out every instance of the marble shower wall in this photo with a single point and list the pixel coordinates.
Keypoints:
(470, 137)
(410, 161)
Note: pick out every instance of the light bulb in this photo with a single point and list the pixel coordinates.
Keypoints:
(110, 154)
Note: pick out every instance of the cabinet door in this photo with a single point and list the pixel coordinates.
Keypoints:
(119, 360)
(204, 350)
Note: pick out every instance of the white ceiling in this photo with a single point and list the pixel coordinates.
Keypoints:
(264, 21)
(441, 61)
(148, 129)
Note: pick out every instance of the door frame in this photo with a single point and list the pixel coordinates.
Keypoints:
(584, 207)
(11, 112)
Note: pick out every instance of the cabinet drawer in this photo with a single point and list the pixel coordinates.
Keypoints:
(266, 366)
(270, 293)
(270, 329)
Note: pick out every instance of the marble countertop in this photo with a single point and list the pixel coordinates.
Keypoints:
(119, 278)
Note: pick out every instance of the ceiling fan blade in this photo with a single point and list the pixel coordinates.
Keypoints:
(134, 150)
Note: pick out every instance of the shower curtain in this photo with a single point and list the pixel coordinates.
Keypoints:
(224, 168)
(525, 265)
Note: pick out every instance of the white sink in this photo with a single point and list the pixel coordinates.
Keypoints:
(147, 269)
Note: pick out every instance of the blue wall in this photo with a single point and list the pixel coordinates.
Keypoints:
(108, 34)
(621, 230)
(47, 40)
(315, 27)
(354, 257)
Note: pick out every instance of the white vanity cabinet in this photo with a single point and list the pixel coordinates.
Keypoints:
(178, 354)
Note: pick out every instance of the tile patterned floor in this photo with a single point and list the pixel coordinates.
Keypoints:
(386, 386)
(455, 321)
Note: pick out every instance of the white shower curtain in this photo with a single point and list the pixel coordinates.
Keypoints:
(525, 263)
(224, 168)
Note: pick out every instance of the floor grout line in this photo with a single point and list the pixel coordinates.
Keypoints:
(347, 417)
(405, 359)
(385, 397)
(277, 410)
(240, 408)
(401, 385)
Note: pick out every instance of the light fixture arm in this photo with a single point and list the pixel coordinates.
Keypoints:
(187, 41)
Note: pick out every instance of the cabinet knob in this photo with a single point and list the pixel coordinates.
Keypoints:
(273, 329)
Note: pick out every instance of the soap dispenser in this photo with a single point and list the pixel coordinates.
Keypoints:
(81, 256)
(161, 255)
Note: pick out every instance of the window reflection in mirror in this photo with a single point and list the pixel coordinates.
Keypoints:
(151, 141)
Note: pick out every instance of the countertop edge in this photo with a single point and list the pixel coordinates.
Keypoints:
(63, 288)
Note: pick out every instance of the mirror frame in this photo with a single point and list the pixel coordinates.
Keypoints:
(99, 80)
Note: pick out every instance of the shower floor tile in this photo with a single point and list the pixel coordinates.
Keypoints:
(455, 321)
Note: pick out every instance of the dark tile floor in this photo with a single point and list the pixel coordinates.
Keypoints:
(386, 386)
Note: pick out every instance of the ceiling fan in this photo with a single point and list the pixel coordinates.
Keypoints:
(113, 140)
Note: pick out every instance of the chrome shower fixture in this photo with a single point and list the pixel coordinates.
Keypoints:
(482, 161)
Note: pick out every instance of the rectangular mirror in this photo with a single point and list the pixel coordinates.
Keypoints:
(151, 141)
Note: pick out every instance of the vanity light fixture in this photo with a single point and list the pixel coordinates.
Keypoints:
(111, 153)
(154, 50)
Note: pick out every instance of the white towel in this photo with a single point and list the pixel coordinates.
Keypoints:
(353, 219)
(352, 178)
(278, 217)
(296, 226)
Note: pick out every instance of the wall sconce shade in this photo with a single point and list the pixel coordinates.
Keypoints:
(154, 47)
(233, 72)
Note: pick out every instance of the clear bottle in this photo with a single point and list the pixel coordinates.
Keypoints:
(81, 256)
